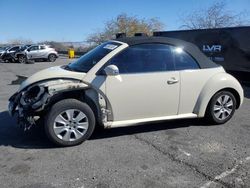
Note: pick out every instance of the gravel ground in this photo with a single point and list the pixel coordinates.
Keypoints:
(183, 153)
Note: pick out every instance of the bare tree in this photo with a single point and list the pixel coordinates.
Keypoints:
(125, 24)
(215, 16)
(19, 41)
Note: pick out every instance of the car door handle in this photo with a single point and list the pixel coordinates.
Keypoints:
(172, 81)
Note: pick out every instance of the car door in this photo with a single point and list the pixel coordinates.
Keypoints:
(32, 52)
(192, 79)
(42, 53)
(147, 85)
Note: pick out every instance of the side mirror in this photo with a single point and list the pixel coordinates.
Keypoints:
(111, 70)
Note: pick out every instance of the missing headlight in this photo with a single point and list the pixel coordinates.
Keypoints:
(32, 95)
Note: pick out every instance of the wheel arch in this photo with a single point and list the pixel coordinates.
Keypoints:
(88, 95)
(236, 95)
(20, 54)
(215, 84)
(52, 53)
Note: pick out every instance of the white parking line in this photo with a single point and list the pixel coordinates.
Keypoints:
(185, 153)
(226, 173)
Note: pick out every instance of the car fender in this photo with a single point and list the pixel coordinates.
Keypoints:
(58, 88)
(91, 94)
(49, 88)
(216, 83)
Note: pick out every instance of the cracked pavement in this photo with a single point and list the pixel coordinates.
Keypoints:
(182, 153)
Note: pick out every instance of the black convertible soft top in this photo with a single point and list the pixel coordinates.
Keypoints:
(194, 51)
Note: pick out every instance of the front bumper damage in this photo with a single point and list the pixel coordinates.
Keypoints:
(26, 111)
(29, 104)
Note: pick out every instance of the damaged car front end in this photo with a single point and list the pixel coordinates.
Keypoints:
(27, 104)
(30, 103)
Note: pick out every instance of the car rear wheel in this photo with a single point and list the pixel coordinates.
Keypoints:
(52, 57)
(221, 107)
(69, 122)
(22, 59)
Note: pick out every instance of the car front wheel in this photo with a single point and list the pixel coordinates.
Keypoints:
(69, 122)
(52, 58)
(221, 107)
(22, 59)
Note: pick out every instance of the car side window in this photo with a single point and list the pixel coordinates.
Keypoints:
(42, 47)
(144, 58)
(33, 48)
(14, 48)
(184, 61)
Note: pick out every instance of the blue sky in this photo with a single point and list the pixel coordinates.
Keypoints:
(74, 20)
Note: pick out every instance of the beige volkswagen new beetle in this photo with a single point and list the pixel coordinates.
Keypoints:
(123, 82)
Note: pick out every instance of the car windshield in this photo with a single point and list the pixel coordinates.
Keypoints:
(87, 61)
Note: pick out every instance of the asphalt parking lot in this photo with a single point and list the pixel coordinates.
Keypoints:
(183, 153)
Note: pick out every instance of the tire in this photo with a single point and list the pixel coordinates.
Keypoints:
(221, 107)
(52, 58)
(65, 131)
(22, 59)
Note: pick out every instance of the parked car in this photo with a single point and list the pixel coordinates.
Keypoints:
(10, 53)
(38, 52)
(3, 50)
(127, 81)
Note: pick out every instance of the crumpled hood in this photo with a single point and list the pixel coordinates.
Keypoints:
(50, 73)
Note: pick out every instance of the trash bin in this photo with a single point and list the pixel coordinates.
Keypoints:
(71, 53)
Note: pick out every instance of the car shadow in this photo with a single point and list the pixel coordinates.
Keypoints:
(12, 135)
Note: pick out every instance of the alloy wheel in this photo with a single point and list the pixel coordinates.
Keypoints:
(71, 125)
(52, 58)
(223, 107)
(21, 59)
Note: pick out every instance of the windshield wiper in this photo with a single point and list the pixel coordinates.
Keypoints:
(67, 67)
